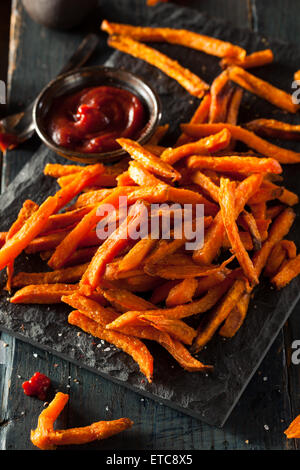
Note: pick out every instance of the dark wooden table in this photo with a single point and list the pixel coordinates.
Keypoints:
(272, 398)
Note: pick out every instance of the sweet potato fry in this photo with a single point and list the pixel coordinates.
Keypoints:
(112, 246)
(38, 220)
(191, 82)
(161, 292)
(297, 75)
(69, 243)
(42, 294)
(215, 233)
(182, 271)
(207, 329)
(221, 92)
(250, 224)
(177, 329)
(235, 164)
(227, 205)
(263, 89)
(256, 59)
(92, 197)
(279, 229)
(149, 160)
(67, 275)
(56, 170)
(159, 134)
(2, 238)
(124, 179)
(123, 300)
(31, 228)
(137, 254)
(141, 176)
(184, 358)
(273, 128)
(182, 293)
(249, 138)
(129, 344)
(293, 431)
(180, 311)
(184, 37)
(275, 260)
(236, 317)
(28, 208)
(201, 147)
(200, 116)
(46, 438)
(234, 106)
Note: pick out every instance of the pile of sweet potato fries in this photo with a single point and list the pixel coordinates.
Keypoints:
(125, 291)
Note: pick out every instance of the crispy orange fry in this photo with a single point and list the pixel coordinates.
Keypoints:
(42, 294)
(279, 229)
(124, 179)
(183, 37)
(112, 246)
(141, 176)
(234, 106)
(161, 292)
(199, 117)
(215, 234)
(206, 145)
(263, 89)
(235, 164)
(256, 59)
(207, 329)
(273, 128)
(69, 243)
(221, 92)
(182, 293)
(28, 208)
(67, 275)
(38, 220)
(92, 197)
(275, 260)
(287, 273)
(46, 438)
(159, 134)
(207, 184)
(124, 300)
(182, 271)
(191, 82)
(227, 205)
(177, 329)
(249, 138)
(137, 254)
(149, 160)
(129, 344)
(293, 431)
(236, 317)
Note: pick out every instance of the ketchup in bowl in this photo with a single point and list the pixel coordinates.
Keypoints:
(90, 120)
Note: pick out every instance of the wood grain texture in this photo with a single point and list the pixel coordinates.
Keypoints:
(269, 402)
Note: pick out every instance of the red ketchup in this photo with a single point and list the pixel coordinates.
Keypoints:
(37, 386)
(90, 120)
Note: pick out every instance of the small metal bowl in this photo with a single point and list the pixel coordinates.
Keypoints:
(74, 81)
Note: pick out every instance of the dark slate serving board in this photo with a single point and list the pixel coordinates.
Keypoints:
(207, 397)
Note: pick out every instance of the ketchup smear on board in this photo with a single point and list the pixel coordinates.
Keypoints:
(91, 119)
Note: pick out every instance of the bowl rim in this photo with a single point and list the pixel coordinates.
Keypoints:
(103, 156)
